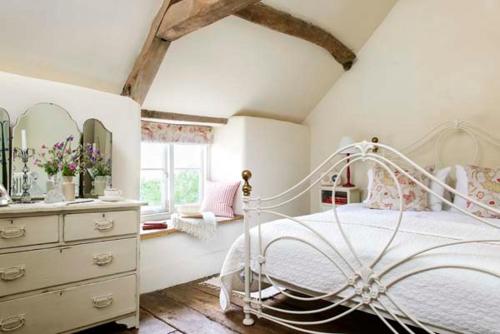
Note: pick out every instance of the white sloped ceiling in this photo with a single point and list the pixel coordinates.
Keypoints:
(231, 67)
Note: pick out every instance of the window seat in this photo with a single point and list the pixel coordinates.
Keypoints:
(150, 234)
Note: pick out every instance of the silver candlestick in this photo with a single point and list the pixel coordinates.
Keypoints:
(25, 156)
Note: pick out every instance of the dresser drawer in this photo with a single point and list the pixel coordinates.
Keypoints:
(98, 225)
(28, 231)
(63, 310)
(31, 270)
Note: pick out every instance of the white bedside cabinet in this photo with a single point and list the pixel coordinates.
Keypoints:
(64, 268)
(342, 196)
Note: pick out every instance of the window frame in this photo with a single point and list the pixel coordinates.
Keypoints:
(168, 169)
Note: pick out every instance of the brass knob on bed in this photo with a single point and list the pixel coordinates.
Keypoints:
(375, 141)
(247, 188)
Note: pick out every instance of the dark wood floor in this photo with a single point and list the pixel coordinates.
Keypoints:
(193, 308)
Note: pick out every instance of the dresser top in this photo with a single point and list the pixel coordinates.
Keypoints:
(67, 207)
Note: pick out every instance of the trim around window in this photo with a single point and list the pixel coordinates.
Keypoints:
(164, 212)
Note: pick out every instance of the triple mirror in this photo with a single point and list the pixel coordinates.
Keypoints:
(5, 152)
(57, 148)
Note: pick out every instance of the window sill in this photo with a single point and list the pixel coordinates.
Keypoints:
(151, 234)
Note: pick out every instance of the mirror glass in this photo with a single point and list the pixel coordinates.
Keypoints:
(4, 148)
(97, 146)
(43, 126)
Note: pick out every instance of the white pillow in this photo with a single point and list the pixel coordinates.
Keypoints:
(462, 187)
(436, 203)
(369, 187)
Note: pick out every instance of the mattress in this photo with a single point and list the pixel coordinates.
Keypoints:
(455, 299)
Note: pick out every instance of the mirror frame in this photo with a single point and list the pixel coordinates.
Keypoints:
(82, 176)
(9, 155)
(12, 134)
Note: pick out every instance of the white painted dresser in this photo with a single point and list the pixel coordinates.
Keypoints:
(64, 268)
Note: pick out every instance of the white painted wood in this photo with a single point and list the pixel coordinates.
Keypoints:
(52, 285)
(36, 209)
(353, 196)
(99, 225)
(18, 232)
(54, 266)
(69, 308)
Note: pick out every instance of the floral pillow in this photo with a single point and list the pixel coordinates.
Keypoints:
(483, 186)
(384, 192)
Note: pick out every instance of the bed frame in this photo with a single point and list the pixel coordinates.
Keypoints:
(366, 283)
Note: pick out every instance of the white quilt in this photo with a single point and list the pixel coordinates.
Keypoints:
(456, 299)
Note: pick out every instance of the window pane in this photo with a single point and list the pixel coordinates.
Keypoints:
(153, 189)
(187, 156)
(187, 186)
(152, 155)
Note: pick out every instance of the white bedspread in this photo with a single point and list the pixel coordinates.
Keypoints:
(455, 299)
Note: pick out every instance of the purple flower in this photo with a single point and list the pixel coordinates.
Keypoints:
(72, 166)
(70, 138)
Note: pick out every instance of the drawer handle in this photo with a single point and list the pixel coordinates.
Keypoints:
(12, 232)
(103, 259)
(13, 323)
(13, 273)
(102, 301)
(104, 225)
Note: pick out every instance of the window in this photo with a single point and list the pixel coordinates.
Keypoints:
(171, 174)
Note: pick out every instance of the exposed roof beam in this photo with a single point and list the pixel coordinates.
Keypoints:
(174, 19)
(283, 22)
(148, 62)
(187, 16)
(181, 118)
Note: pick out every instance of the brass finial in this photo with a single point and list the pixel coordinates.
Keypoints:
(375, 141)
(247, 188)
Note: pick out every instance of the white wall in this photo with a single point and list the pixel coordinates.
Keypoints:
(276, 152)
(180, 258)
(227, 155)
(429, 62)
(119, 114)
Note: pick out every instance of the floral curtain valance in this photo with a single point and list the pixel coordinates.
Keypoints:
(175, 133)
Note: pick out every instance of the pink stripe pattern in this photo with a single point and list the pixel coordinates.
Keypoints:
(219, 198)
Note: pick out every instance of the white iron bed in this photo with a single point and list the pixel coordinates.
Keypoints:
(437, 271)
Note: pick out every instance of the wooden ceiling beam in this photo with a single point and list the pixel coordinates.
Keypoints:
(174, 19)
(177, 18)
(278, 20)
(181, 118)
(187, 16)
(149, 60)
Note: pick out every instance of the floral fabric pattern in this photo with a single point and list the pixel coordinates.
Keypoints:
(384, 192)
(175, 133)
(483, 186)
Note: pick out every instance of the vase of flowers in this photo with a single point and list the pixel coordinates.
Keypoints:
(97, 167)
(48, 160)
(60, 158)
(69, 170)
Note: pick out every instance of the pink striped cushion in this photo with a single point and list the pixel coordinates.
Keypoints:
(219, 198)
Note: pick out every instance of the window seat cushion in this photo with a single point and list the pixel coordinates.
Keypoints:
(149, 234)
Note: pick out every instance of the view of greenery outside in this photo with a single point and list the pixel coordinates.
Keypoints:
(187, 186)
(151, 192)
(186, 163)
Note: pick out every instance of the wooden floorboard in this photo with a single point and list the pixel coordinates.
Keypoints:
(193, 308)
(208, 305)
(181, 316)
